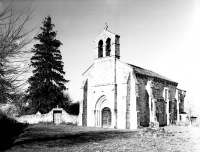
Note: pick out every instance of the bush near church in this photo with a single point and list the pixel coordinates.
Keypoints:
(73, 108)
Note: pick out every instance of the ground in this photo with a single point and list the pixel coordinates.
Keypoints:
(71, 138)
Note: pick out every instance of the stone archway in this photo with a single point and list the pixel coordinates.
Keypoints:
(102, 113)
(106, 117)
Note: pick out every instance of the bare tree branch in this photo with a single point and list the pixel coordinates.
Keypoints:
(14, 36)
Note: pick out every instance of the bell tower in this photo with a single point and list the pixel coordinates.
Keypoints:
(107, 44)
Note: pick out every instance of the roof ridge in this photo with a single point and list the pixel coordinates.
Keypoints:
(111, 32)
(150, 73)
(134, 66)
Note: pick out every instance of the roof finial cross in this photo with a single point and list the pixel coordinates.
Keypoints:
(106, 26)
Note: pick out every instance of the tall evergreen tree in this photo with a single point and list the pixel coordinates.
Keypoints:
(47, 83)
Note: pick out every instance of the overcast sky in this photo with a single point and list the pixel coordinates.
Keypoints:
(159, 35)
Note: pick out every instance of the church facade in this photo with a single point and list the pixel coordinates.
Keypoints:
(121, 95)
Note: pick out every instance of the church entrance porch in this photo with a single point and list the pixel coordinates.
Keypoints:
(103, 114)
(106, 117)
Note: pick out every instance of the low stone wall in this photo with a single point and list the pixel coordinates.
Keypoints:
(37, 118)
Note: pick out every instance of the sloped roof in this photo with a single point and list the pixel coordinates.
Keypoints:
(112, 33)
(139, 70)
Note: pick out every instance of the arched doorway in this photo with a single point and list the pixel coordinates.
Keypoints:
(106, 117)
(102, 113)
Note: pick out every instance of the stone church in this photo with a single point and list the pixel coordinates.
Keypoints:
(120, 95)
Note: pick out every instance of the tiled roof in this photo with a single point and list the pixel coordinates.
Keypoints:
(146, 72)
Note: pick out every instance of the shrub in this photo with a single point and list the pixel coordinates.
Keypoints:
(73, 108)
(9, 129)
(28, 110)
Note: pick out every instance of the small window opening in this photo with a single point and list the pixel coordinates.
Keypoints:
(170, 106)
(100, 49)
(108, 47)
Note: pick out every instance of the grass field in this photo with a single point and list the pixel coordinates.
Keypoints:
(51, 138)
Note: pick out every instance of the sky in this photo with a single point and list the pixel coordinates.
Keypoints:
(162, 36)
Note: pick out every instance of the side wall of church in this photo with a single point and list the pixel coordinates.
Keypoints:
(180, 97)
(143, 101)
(181, 104)
(172, 103)
(158, 93)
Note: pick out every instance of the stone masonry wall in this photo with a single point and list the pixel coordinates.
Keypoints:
(37, 118)
(143, 101)
(161, 112)
(181, 96)
(172, 103)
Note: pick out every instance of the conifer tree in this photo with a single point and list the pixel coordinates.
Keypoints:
(47, 83)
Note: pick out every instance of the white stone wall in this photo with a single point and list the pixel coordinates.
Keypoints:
(100, 83)
(103, 73)
(37, 118)
(122, 72)
(96, 93)
(133, 110)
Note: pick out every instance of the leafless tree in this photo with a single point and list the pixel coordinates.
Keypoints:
(13, 56)
(189, 109)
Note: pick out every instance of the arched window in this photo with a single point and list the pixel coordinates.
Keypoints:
(100, 49)
(108, 47)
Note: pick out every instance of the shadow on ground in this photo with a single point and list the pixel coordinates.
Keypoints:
(9, 130)
(62, 136)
